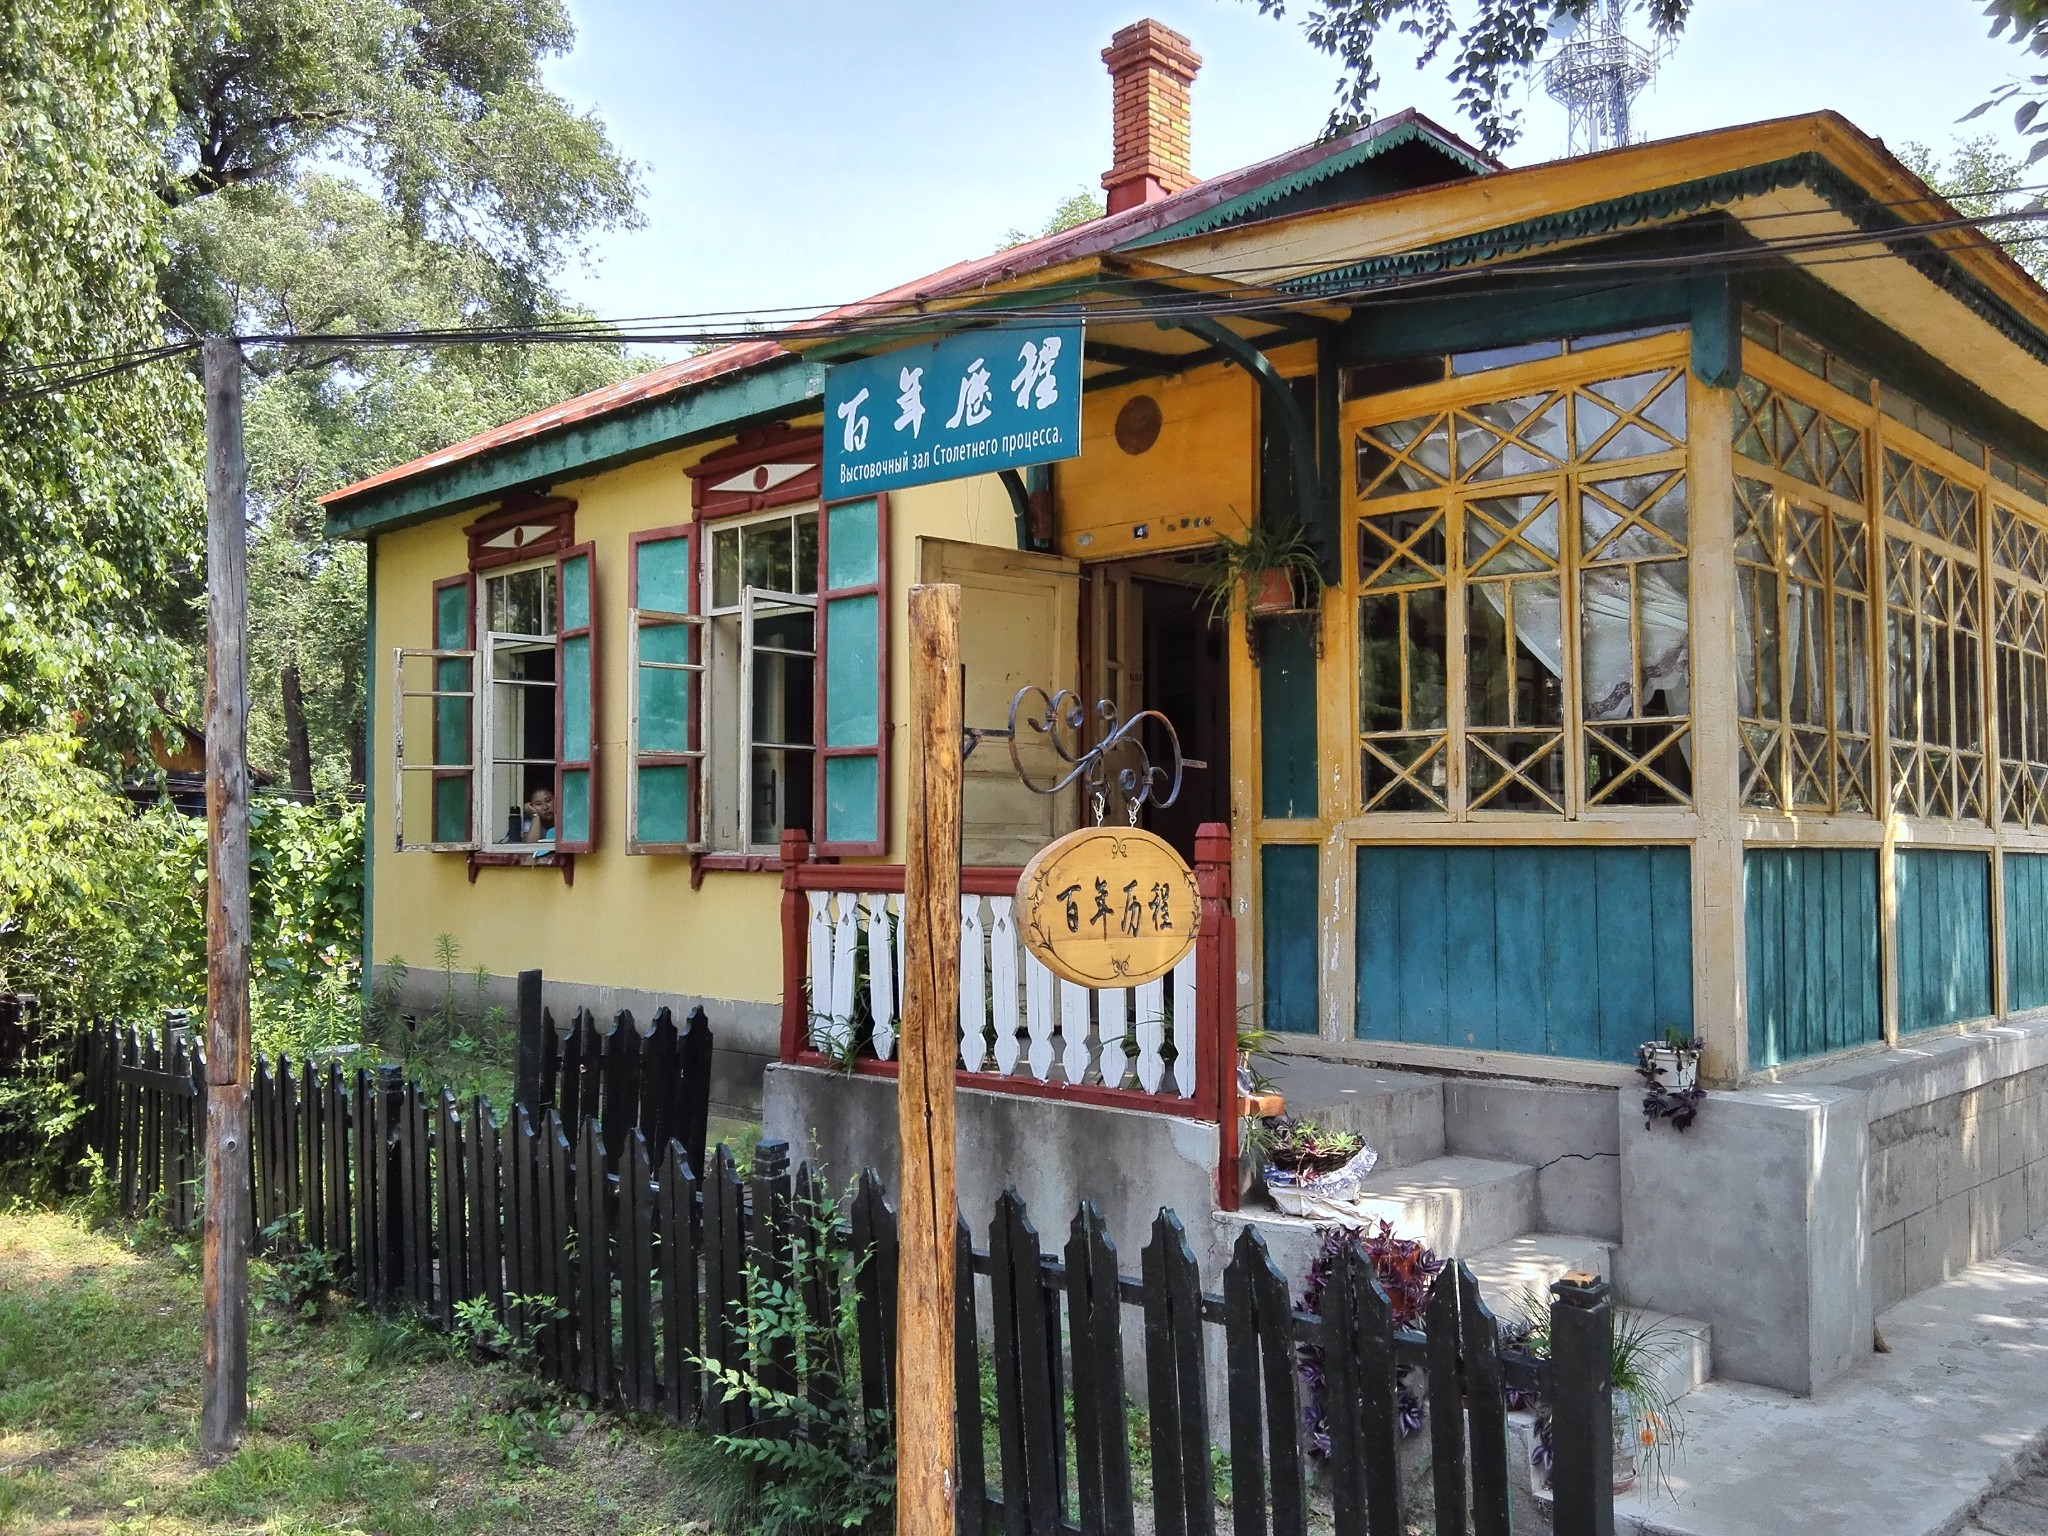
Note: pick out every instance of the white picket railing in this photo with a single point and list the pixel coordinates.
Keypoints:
(1016, 1018)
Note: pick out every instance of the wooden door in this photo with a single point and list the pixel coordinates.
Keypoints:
(1019, 625)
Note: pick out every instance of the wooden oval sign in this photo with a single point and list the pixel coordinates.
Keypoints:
(1108, 906)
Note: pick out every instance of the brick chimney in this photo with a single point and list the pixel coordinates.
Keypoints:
(1152, 67)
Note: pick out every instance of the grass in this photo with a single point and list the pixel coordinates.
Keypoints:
(357, 1424)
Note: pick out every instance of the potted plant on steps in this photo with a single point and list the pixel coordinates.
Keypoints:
(1308, 1167)
(1270, 570)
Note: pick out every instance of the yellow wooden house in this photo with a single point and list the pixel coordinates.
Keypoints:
(1680, 665)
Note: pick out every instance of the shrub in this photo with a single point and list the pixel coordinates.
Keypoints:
(813, 1459)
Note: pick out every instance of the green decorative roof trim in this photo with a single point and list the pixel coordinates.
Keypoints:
(1663, 203)
(1245, 204)
(697, 413)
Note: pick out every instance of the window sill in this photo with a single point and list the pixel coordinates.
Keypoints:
(702, 864)
(566, 862)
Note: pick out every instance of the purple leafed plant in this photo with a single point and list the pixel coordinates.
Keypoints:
(1405, 1269)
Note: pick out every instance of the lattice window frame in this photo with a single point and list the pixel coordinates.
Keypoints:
(1934, 596)
(1780, 755)
(1566, 435)
(2019, 667)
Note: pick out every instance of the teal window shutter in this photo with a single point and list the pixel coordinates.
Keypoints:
(665, 746)
(852, 786)
(576, 700)
(433, 730)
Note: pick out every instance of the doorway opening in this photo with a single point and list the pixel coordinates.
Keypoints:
(1149, 644)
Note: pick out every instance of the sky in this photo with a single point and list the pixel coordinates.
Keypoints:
(805, 154)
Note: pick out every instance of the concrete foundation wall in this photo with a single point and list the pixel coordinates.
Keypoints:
(745, 1036)
(1129, 1162)
(1958, 1152)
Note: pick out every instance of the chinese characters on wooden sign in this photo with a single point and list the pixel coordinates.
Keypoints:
(969, 404)
(1108, 906)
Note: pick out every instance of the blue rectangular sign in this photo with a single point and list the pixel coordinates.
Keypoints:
(966, 405)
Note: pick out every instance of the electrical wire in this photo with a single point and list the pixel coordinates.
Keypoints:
(1112, 297)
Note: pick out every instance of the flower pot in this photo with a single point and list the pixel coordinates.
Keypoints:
(1268, 592)
(1677, 1066)
(1300, 1194)
(1624, 1441)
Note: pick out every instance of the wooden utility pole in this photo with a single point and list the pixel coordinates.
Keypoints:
(225, 1227)
(925, 1053)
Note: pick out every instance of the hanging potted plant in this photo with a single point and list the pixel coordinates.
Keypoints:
(1271, 570)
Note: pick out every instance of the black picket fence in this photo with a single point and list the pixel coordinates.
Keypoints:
(622, 1285)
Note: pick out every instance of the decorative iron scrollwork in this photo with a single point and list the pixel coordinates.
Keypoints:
(1119, 759)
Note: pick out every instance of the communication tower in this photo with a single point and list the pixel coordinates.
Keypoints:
(1597, 73)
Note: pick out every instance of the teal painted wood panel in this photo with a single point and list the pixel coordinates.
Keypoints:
(852, 799)
(576, 701)
(666, 803)
(662, 575)
(575, 590)
(1811, 919)
(572, 814)
(853, 700)
(1288, 880)
(1944, 937)
(1288, 763)
(2026, 931)
(451, 716)
(853, 549)
(1580, 952)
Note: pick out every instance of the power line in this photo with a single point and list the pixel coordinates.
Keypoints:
(1115, 297)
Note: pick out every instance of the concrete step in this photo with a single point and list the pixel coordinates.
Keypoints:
(1400, 1114)
(1683, 1348)
(1528, 1265)
(1460, 1206)
(1454, 1204)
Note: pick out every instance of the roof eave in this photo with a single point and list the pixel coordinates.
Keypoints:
(714, 408)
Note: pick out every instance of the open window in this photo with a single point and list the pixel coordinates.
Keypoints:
(759, 673)
(434, 714)
(521, 664)
(760, 640)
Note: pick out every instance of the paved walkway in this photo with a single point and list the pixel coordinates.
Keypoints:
(1910, 1444)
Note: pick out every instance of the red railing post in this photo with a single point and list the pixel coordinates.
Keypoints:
(796, 940)
(1216, 1003)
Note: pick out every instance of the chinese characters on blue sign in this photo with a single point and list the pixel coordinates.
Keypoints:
(967, 405)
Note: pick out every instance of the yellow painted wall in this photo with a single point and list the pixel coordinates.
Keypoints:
(629, 922)
(626, 922)
(1196, 481)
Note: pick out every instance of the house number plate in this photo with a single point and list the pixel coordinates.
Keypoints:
(1109, 906)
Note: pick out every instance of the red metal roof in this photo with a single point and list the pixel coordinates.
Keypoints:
(1091, 238)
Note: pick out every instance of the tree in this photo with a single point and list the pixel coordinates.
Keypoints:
(464, 186)
(1491, 53)
(99, 490)
(1978, 178)
(1083, 207)
(437, 103)
(329, 256)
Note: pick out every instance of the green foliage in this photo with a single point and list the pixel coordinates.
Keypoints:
(296, 1277)
(1641, 1348)
(102, 913)
(1490, 58)
(815, 1460)
(1072, 212)
(1978, 177)
(1231, 562)
(323, 254)
(99, 537)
